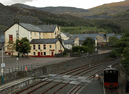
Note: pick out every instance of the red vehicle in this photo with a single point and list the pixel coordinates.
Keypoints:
(111, 78)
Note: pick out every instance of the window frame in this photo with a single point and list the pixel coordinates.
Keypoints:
(34, 53)
(34, 47)
(39, 47)
(44, 46)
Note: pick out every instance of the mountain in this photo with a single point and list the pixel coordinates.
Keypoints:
(115, 14)
(28, 14)
(103, 11)
(54, 10)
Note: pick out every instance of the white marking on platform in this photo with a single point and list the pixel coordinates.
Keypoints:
(66, 76)
(74, 82)
(82, 78)
(88, 81)
(52, 75)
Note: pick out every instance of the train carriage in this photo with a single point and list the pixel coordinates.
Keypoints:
(111, 78)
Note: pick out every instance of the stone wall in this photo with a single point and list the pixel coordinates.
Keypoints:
(55, 68)
(17, 86)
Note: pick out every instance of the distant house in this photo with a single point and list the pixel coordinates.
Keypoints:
(64, 36)
(82, 37)
(45, 47)
(71, 42)
(30, 31)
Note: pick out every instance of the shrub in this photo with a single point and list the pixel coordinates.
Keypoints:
(113, 54)
(80, 49)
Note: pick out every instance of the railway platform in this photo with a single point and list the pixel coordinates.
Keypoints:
(93, 88)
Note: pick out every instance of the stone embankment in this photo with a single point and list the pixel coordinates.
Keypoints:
(55, 68)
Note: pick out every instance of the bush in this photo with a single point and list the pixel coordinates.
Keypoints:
(80, 49)
(113, 54)
(65, 51)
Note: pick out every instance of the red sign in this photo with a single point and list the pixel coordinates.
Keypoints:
(60, 50)
(25, 68)
(51, 50)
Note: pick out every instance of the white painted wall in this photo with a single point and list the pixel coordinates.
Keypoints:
(68, 46)
(12, 31)
(63, 36)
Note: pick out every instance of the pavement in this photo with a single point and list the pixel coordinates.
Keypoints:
(93, 88)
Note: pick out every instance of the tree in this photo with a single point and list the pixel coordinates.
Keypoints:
(90, 43)
(11, 47)
(113, 40)
(23, 46)
(123, 49)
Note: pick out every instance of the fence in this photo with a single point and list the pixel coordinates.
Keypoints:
(22, 68)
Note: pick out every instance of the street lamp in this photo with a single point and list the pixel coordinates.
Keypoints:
(2, 65)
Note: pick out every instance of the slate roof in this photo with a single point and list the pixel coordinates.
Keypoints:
(31, 27)
(111, 34)
(68, 42)
(47, 28)
(43, 41)
(39, 28)
(82, 37)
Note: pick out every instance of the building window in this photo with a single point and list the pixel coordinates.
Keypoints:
(50, 46)
(35, 33)
(11, 38)
(44, 46)
(33, 53)
(55, 33)
(30, 33)
(38, 46)
(44, 53)
(17, 33)
(33, 46)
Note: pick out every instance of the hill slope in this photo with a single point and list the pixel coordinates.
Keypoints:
(103, 11)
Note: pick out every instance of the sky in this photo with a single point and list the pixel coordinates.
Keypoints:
(85, 4)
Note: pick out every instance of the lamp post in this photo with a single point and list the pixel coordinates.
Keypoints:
(17, 61)
(2, 65)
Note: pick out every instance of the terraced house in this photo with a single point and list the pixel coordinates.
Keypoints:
(43, 38)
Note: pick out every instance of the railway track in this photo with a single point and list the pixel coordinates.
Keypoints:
(76, 72)
(73, 91)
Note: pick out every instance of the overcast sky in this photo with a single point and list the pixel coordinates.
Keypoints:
(85, 4)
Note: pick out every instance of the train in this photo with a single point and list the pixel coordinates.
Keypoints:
(111, 78)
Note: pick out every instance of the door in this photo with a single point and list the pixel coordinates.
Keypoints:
(52, 53)
(38, 53)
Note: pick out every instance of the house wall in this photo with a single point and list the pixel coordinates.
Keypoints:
(12, 31)
(54, 48)
(34, 35)
(68, 46)
(99, 39)
(48, 35)
(63, 36)
(76, 42)
(58, 47)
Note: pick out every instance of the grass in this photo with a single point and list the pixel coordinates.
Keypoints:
(81, 29)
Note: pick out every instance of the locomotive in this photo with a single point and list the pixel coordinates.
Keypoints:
(110, 78)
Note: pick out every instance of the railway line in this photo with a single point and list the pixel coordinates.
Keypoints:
(69, 82)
